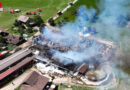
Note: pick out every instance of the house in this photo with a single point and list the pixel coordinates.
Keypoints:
(83, 68)
(35, 82)
(13, 39)
(23, 19)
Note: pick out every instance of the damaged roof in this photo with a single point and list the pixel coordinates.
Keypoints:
(83, 68)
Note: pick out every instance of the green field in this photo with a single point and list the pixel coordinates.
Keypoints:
(49, 9)
(70, 13)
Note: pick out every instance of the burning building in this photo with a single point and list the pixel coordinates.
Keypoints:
(75, 48)
(87, 54)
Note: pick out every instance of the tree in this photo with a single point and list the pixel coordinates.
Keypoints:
(30, 30)
(17, 23)
(21, 31)
(3, 40)
(51, 22)
(38, 20)
(41, 27)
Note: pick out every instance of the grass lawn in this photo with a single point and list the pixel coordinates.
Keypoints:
(49, 9)
(63, 87)
(70, 14)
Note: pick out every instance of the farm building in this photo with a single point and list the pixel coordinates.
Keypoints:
(23, 19)
(83, 68)
(11, 39)
(12, 66)
(35, 82)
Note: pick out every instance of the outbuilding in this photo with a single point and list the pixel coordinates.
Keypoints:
(83, 68)
(35, 82)
(23, 19)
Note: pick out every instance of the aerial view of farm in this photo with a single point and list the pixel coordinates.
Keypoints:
(64, 44)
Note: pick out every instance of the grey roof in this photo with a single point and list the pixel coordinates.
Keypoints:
(13, 58)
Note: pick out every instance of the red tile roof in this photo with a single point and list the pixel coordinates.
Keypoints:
(6, 73)
(16, 67)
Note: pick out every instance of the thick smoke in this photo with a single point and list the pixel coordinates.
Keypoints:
(112, 23)
(71, 36)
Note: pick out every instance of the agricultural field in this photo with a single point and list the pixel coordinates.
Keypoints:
(48, 7)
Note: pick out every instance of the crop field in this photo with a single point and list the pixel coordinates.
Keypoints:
(48, 7)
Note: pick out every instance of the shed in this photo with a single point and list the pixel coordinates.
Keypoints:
(13, 39)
